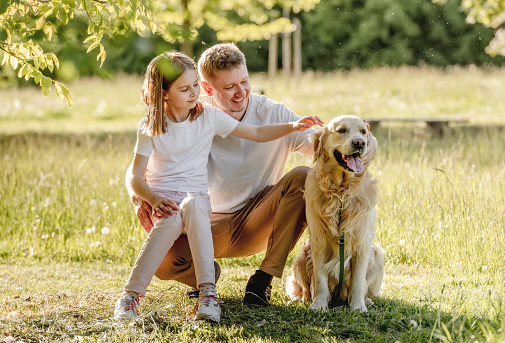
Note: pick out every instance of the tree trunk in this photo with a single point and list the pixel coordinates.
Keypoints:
(286, 49)
(297, 48)
(187, 44)
(272, 56)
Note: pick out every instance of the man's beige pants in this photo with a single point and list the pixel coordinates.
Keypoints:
(273, 220)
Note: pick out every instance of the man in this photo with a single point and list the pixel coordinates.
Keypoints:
(255, 208)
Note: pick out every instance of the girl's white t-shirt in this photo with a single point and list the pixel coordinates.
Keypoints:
(178, 158)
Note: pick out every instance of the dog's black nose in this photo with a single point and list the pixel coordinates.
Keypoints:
(359, 143)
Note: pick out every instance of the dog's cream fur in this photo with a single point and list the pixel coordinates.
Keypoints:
(340, 197)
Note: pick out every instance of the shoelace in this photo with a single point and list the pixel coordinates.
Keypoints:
(132, 304)
(205, 300)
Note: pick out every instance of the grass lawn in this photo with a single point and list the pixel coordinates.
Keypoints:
(68, 235)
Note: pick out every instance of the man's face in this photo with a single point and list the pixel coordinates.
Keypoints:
(230, 90)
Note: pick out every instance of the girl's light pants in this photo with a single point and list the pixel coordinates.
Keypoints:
(192, 220)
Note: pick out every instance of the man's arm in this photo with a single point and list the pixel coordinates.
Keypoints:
(141, 207)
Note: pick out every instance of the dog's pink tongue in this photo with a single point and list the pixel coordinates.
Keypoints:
(354, 163)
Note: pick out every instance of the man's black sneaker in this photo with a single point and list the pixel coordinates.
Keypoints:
(258, 289)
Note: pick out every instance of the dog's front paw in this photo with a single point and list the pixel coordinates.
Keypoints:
(368, 302)
(358, 305)
(319, 306)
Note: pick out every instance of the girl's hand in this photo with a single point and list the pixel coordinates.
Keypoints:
(163, 207)
(307, 122)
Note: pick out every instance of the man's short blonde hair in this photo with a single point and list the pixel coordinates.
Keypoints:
(224, 56)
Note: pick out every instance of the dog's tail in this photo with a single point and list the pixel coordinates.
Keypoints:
(375, 271)
(293, 289)
(298, 283)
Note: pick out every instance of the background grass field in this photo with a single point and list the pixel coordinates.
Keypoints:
(68, 235)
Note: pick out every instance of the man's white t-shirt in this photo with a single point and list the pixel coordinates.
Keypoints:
(239, 169)
(178, 158)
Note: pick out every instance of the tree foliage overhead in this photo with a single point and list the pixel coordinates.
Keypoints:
(231, 20)
(364, 34)
(490, 13)
(25, 24)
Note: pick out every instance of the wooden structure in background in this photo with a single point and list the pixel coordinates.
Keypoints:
(291, 52)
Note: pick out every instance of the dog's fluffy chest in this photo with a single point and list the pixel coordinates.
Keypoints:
(345, 202)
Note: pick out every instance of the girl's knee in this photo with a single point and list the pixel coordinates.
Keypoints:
(173, 222)
(196, 202)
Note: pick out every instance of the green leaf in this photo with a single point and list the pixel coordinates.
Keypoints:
(46, 84)
(55, 60)
(23, 71)
(67, 95)
(93, 36)
(6, 58)
(92, 46)
(37, 76)
(154, 26)
(101, 55)
(14, 62)
(48, 30)
(42, 64)
(63, 15)
(145, 21)
(59, 91)
(29, 74)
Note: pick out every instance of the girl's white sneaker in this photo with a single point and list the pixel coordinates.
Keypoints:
(127, 306)
(207, 307)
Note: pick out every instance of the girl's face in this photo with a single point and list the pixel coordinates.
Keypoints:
(182, 94)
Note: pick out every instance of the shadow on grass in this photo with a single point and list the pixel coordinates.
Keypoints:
(166, 311)
(386, 321)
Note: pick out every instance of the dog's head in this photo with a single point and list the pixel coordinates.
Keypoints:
(344, 141)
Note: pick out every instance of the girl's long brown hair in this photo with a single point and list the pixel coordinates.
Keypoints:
(161, 73)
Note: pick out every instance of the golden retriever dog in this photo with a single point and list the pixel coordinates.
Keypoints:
(340, 196)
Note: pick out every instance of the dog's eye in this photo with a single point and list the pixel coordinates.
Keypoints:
(363, 131)
(341, 130)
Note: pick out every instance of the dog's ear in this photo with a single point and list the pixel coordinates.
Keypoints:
(319, 139)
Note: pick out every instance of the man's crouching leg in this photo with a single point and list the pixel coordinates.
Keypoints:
(285, 205)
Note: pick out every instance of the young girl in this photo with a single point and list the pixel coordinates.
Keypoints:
(173, 144)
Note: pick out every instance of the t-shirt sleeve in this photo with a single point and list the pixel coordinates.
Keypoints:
(144, 144)
(298, 141)
(223, 123)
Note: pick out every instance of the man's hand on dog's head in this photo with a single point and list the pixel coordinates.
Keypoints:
(371, 150)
